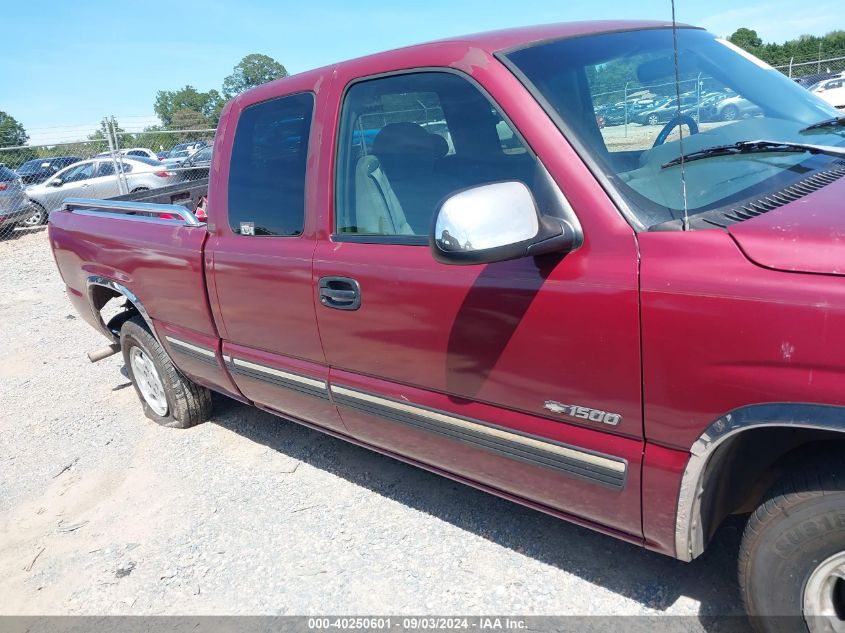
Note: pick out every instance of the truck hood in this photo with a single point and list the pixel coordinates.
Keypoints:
(806, 235)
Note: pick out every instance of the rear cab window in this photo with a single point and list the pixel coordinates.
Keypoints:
(266, 192)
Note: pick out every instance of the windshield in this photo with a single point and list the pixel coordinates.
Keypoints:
(615, 95)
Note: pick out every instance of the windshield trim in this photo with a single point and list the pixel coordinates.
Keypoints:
(602, 177)
(559, 38)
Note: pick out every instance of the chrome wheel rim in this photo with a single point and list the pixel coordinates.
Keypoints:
(824, 596)
(34, 219)
(148, 381)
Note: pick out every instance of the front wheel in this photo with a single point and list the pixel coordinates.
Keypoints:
(792, 560)
(730, 113)
(168, 397)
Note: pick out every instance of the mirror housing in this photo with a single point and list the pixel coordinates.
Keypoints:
(495, 223)
(55, 182)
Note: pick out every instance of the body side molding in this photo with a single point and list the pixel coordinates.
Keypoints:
(689, 537)
(598, 468)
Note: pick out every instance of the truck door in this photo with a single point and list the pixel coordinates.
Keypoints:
(259, 258)
(523, 376)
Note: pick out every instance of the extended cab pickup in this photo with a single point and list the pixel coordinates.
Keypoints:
(436, 253)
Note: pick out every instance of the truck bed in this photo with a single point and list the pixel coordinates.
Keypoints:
(127, 243)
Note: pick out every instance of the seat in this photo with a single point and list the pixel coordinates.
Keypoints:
(377, 209)
(407, 155)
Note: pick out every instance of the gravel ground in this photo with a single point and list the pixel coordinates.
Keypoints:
(103, 512)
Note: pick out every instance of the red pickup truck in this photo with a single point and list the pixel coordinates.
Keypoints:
(437, 253)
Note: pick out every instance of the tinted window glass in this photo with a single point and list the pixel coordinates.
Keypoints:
(105, 169)
(408, 141)
(7, 174)
(79, 172)
(267, 169)
(147, 160)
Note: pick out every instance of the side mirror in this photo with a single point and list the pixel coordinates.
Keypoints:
(56, 182)
(495, 223)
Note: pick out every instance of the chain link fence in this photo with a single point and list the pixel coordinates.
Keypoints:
(810, 72)
(35, 179)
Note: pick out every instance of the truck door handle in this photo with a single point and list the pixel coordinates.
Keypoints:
(340, 293)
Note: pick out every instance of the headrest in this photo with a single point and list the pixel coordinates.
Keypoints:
(406, 138)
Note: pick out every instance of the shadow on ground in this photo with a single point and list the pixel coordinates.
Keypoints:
(653, 580)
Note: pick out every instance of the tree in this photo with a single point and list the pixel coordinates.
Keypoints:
(168, 102)
(746, 38)
(124, 139)
(13, 134)
(253, 70)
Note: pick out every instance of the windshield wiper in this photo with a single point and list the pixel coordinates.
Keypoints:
(749, 147)
(834, 122)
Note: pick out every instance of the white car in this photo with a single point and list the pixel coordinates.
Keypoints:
(97, 178)
(832, 90)
(134, 151)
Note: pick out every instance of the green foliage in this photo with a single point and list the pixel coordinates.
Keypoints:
(253, 70)
(13, 134)
(805, 48)
(168, 102)
(746, 38)
(124, 139)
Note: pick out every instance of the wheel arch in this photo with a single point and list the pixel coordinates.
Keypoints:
(751, 444)
(100, 291)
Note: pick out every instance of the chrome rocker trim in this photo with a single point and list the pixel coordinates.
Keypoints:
(277, 377)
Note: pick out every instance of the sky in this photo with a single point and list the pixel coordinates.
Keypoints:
(66, 65)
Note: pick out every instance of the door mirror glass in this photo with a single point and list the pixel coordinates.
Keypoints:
(493, 223)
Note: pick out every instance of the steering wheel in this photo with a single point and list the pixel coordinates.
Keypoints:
(677, 120)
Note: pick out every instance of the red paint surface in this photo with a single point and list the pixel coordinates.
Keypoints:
(806, 235)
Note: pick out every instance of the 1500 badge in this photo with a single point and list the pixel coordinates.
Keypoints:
(584, 413)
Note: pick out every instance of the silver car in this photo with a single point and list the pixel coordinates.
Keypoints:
(14, 206)
(97, 178)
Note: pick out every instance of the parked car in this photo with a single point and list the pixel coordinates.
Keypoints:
(177, 155)
(40, 169)
(98, 178)
(665, 112)
(566, 326)
(832, 91)
(733, 108)
(809, 81)
(133, 151)
(14, 206)
(196, 165)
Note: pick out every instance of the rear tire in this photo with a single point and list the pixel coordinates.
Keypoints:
(792, 559)
(168, 397)
(38, 218)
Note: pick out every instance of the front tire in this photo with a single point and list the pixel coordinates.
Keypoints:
(792, 559)
(169, 398)
(730, 113)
